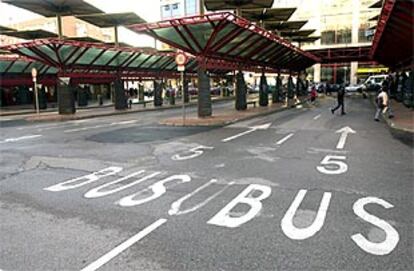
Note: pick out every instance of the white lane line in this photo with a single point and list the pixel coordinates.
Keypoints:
(4, 119)
(8, 140)
(317, 117)
(120, 248)
(280, 142)
(251, 130)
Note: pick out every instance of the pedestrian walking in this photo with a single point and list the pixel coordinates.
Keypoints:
(340, 98)
(313, 94)
(382, 101)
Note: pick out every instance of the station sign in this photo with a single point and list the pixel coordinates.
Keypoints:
(181, 59)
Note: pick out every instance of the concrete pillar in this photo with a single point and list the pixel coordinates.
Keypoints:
(291, 91)
(317, 73)
(353, 73)
(204, 94)
(66, 99)
(240, 91)
(278, 89)
(120, 98)
(158, 92)
(263, 91)
(141, 96)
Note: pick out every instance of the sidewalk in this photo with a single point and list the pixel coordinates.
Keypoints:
(225, 116)
(103, 111)
(403, 117)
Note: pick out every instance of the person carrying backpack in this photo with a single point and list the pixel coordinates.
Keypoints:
(382, 103)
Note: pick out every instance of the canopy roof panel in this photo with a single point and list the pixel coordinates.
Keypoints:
(285, 26)
(51, 8)
(112, 19)
(72, 55)
(304, 39)
(299, 33)
(225, 36)
(14, 64)
(273, 14)
(234, 4)
(31, 34)
(393, 41)
(6, 29)
(376, 4)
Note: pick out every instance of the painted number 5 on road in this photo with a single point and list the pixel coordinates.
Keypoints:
(333, 165)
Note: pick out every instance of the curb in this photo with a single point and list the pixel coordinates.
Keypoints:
(400, 133)
(225, 123)
(126, 111)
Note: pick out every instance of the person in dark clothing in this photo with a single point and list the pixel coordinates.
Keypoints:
(340, 97)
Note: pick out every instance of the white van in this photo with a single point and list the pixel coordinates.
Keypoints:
(374, 82)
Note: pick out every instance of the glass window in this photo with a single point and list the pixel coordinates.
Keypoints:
(175, 6)
(190, 7)
(175, 10)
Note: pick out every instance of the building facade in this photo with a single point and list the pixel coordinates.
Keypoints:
(178, 8)
(338, 23)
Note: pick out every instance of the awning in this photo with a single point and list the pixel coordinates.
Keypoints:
(299, 33)
(5, 29)
(376, 4)
(215, 5)
(73, 56)
(31, 34)
(282, 26)
(112, 19)
(393, 41)
(304, 39)
(51, 8)
(272, 14)
(16, 70)
(225, 36)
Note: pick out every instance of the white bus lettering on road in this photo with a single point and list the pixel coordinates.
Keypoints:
(83, 180)
(223, 217)
(95, 193)
(295, 233)
(157, 189)
(392, 237)
(175, 206)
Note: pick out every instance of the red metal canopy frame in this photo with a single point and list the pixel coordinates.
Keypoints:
(261, 47)
(393, 41)
(343, 54)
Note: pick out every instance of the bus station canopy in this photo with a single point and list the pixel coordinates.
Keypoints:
(31, 34)
(215, 5)
(304, 39)
(393, 41)
(74, 57)
(285, 26)
(111, 19)
(342, 54)
(16, 70)
(376, 4)
(51, 8)
(5, 29)
(298, 33)
(272, 14)
(225, 36)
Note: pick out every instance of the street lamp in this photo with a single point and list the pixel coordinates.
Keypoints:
(34, 76)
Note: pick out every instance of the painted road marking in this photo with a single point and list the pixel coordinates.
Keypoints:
(281, 141)
(344, 134)
(8, 140)
(313, 150)
(252, 129)
(120, 248)
(100, 126)
(196, 152)
(317, 116)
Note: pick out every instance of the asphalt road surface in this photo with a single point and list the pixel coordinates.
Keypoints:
(297, 190)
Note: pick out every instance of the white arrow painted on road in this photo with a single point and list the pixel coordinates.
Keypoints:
(344, 134)
(251, 130)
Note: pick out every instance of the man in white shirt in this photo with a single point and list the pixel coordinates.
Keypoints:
(382, 103)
